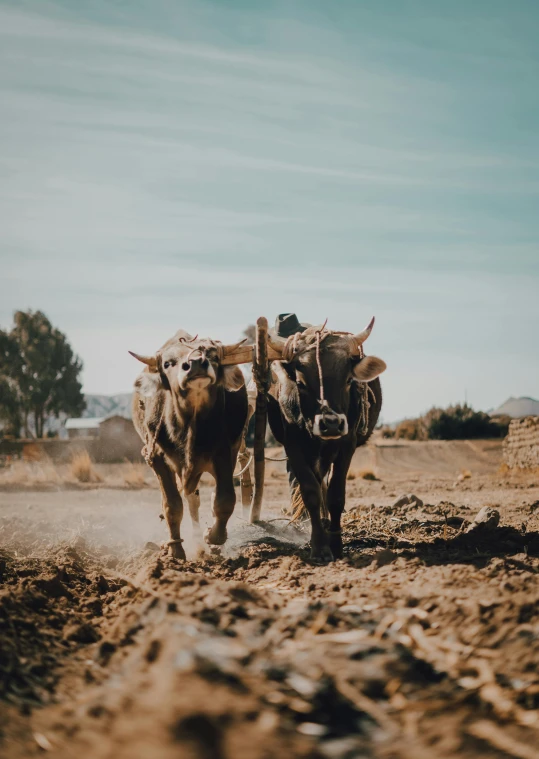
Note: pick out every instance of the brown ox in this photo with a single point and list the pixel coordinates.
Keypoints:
(190, 409)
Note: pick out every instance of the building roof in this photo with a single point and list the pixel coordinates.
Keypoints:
(88, 423)
(115, 417)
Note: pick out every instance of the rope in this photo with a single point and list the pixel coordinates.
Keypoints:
(238, 474)
(268, 458)
(291, 349)
(201, 350)
(148, 450)
(320, 375)
(363, 426)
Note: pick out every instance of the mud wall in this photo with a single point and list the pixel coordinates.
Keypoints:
(521, 446)
(117, 442)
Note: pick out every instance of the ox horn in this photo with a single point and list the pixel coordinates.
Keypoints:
(275, 347)
(150, 361)
(362, 336)
(238, 353)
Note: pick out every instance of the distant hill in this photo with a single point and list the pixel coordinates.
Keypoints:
(108, 405)
(517, 407)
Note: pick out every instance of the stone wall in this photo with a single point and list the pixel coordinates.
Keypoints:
(521, 446)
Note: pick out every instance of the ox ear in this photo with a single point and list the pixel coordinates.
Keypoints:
(148, 384)
(369, 368)
(233, 378)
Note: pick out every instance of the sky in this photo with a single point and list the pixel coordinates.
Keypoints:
(168, 164)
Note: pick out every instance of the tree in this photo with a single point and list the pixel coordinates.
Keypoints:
(250, 333)
(10, 400)
(39, 373)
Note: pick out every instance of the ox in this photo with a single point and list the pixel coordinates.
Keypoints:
(190, 409)
(318, 409)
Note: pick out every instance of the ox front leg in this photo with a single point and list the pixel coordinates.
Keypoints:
(336, 498)
(313, 498)
(194, 506)
(223, 503)
(172, 505)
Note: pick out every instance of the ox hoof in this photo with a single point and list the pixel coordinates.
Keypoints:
(335, 543)
(215, 536)
(321, 555)
(176, 551)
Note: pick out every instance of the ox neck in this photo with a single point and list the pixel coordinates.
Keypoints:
(194, 403)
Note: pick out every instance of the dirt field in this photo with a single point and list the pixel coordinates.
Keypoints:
(422, 643)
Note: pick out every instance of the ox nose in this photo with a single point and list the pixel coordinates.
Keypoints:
(196, 367)
(331, 425)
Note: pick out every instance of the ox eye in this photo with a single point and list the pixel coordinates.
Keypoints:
(301, 384)
(167, 364)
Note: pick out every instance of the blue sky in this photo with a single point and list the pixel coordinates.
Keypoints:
(169, 164)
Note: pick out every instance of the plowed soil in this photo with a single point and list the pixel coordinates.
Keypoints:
(423, 642)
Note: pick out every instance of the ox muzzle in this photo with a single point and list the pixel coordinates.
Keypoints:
(196, 368)
(196, 371)
(329, 425)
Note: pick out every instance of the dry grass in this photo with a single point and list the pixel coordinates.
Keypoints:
(135, 476)
(363, 474)
(464, 475)
(82, 468)
(23, 473)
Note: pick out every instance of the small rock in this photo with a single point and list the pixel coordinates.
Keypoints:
(407, 500)
(339, 748)
(313, 729)
(487, 519)
(267, 721)
(43, 742)
(302, 685)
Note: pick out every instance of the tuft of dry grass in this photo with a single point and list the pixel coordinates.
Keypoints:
(367, 474)
(135, 476)
(82, 468)
(364, 474)
(22, 473)
(464, 475)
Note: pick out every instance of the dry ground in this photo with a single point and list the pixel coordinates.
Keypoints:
(422, 643)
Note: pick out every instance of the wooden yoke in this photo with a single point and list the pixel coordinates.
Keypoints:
(261, 378)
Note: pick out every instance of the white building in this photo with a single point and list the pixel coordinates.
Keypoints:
(85, 427)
